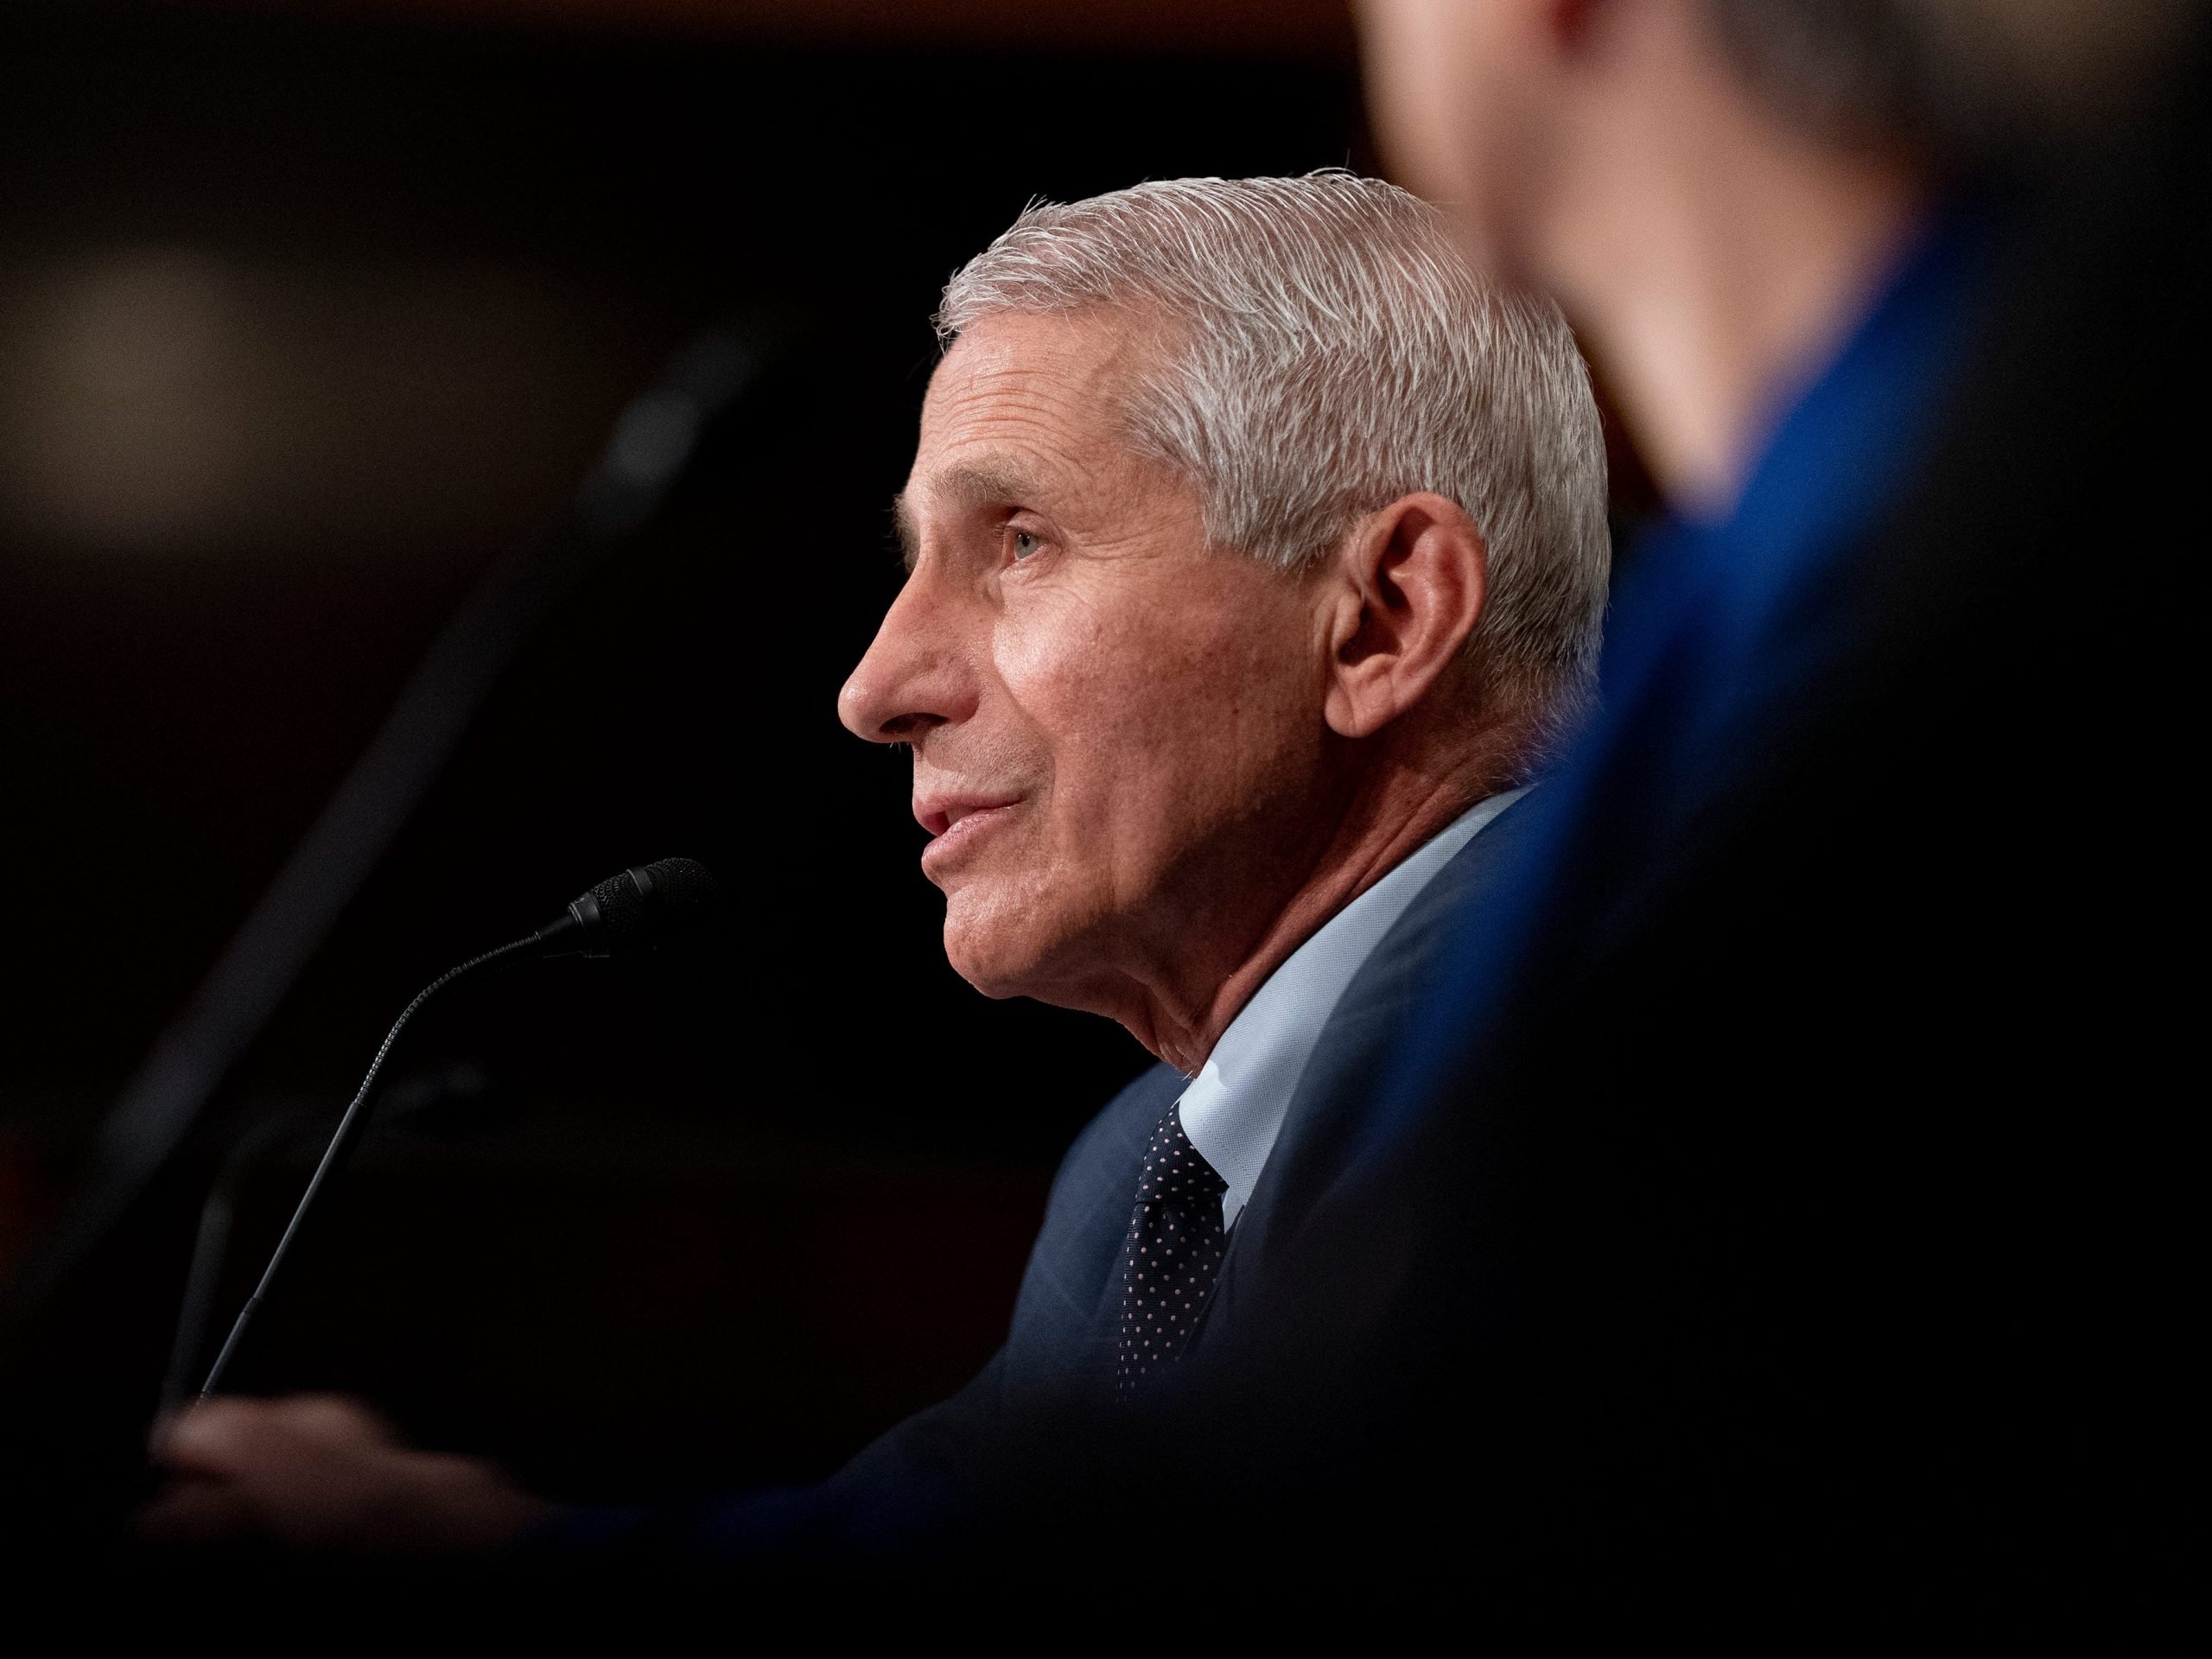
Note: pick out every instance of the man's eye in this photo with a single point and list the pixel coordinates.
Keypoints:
(1025, 544)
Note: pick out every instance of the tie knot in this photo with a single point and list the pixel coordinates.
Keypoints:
(1173, 1168)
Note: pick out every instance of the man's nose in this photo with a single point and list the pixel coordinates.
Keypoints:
(914, 676)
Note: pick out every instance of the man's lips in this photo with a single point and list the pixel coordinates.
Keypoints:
(953, 821)
(938, 813)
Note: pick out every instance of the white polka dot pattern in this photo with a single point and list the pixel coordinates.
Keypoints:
(1173, 1253)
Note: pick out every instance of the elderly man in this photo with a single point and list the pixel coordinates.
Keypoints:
(1256, 555)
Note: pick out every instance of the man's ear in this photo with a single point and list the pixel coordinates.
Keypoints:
(1404, 593)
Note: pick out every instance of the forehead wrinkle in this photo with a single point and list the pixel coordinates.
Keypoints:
(1009, 424)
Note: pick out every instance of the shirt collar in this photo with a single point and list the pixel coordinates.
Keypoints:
(1234, 1109)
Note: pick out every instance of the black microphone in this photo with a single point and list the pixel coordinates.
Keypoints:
(674, 903)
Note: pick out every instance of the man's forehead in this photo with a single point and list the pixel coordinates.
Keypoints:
(1071, 348)
(1024, 410)
(1018, 411)
(1034, 382)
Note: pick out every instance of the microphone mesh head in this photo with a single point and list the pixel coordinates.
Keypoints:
(674, 901)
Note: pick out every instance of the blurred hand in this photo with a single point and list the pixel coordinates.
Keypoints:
(322, 1473)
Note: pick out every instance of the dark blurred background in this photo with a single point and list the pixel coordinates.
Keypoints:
(306, 312)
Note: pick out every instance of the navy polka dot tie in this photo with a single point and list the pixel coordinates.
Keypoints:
(1173, 1253)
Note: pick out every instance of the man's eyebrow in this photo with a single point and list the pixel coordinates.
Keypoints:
(986, 483)
(979, 484)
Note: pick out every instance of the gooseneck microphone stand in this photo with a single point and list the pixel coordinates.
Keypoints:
(674, 902)
(343, 1140)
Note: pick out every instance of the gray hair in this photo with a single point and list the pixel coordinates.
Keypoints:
(1329, 352)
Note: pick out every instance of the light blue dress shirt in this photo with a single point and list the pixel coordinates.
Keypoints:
(1234, 1108)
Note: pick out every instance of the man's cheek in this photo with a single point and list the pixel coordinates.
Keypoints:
(1076, 659)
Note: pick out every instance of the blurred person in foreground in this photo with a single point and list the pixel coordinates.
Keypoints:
(1785, 1141)
(1256, 558)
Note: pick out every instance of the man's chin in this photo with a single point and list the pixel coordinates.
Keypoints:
(989, 966)
(994, 941)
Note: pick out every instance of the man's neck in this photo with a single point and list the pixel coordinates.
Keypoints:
(1714, 255)
(1383, 826)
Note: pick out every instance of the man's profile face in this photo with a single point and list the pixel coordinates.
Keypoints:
(1109, 720)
